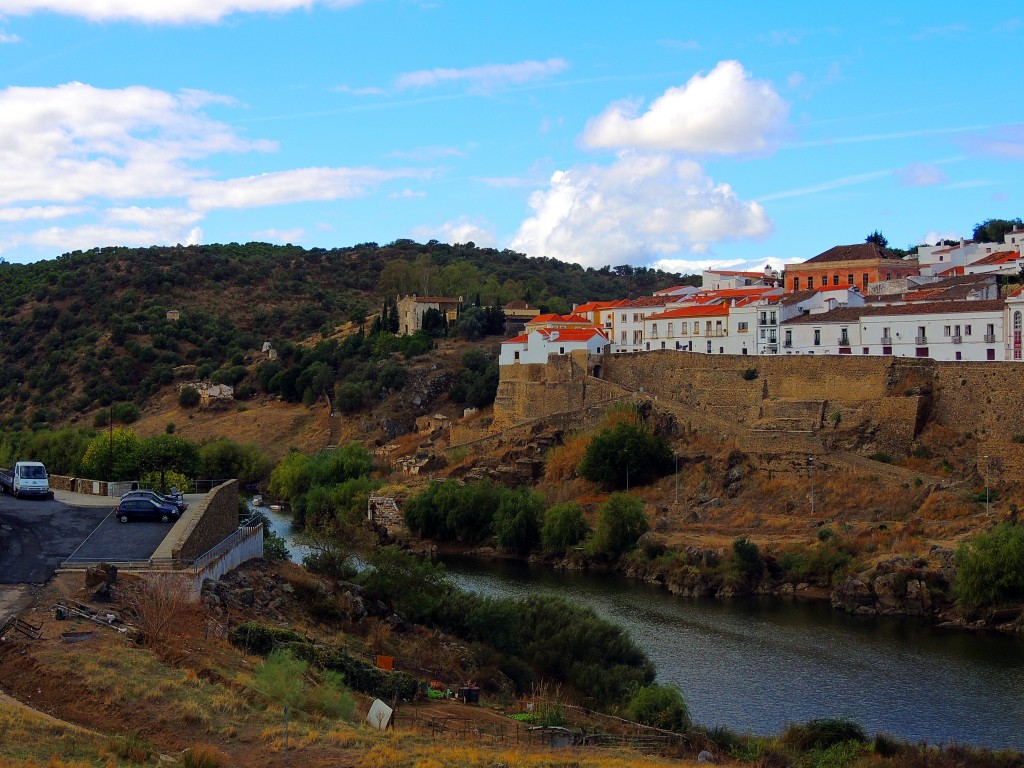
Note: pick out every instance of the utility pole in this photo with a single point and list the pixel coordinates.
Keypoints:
(810, 468)
(110, 452)
(677, 479)
(987, 499)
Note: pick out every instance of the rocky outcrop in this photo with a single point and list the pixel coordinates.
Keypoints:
(898, 586)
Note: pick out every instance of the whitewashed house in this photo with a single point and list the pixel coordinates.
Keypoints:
(537, 345)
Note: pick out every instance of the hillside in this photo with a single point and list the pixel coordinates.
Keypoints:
(89, 329)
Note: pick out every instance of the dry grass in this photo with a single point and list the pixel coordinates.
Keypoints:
(562, 461)
(165, 608)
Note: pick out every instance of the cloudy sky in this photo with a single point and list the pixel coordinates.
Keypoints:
(653, 133)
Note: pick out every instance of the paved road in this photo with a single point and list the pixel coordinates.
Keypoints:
(36, 535)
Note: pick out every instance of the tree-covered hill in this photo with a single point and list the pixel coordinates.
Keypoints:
(91, 328)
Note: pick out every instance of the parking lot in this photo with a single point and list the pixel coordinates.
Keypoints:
(36, 536)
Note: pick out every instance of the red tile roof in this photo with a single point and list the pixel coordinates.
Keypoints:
(520, 339)
(852, 314)
(552, 318)
(858, 252)
(574, 334)
(713, 310)
(999, 257)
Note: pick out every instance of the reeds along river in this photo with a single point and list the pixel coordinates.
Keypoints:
(757, 664)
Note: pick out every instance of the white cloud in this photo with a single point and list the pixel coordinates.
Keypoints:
(461, 230)
(407, 194)
(8, 37)
(921, 175)
(299, 185)
(43, 212)
(365, 91)
(483, 78)
(74, 141)
(640, 208)
(691, 266)
(280, 236)
(162, 11)
(130, 165)
(1002, 141)
(825, 186)
(934, 237)
(725, 112)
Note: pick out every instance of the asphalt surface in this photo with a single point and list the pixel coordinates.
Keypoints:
(36, 535)
(116, 541)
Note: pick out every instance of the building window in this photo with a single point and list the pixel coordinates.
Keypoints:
(709, 346)
(772, 338)
(517, 357)
(796, 283)
(864, 277)
(654, 330)
(742, 327)
(789, 338)
(561, 350)
(888, 275)
(835, 279)
(772, 316)
(817, 337)
(671, 328)
(810, 282)
(959, 356)
(623, 318)
(762, 333)
(844, 337)
(764, 318)
(849, 279)
(945, 330)
(623, 337)
(967, 330)
(990, 354)
(866, 352)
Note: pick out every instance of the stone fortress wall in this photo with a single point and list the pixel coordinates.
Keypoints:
(795, 406)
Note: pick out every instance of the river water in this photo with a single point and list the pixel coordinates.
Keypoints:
(756, 664)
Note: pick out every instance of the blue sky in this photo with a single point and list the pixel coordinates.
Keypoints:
(652, 133)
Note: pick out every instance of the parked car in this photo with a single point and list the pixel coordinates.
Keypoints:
(175, 501)
(141, 508)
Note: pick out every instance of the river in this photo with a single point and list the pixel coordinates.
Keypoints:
(755, 664)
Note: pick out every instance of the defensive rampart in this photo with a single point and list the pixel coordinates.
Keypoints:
(790, 404)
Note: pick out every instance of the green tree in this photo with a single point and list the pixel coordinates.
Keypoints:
(225, 458)
(564, 527)
(113, 456)
(990, 567)
(621, 521)
(878, 239)
(993, 230)
(168, 453)
(748, 559)
(660, 706)
(516, 521)
(188, 397)
(291, 477)
(626, 454)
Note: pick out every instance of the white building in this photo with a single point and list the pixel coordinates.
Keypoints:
(537, 345)
(948, 330)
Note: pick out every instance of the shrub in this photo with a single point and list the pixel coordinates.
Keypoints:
(881, 456)
(661, 706)
(749, 374)
(261, 639)
(203, 756)
(164, 608)
(517, 520)
(627, 453)
(621, 521)
(990, 567)
(564, 527)
(189, 397)
(748, 558)
(822, 734)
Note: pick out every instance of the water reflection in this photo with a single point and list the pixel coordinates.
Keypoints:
(757, 664)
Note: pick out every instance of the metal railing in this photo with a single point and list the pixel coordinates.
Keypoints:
(844, 341)
(920, 339)
(990, 338)
(957, 339)
(887, 341)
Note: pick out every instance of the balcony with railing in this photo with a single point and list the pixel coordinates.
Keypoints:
(717, 332)
(920, 340)
(990, 338)
(788, 343)
(957, 339)
(844, 341)
(887, 341)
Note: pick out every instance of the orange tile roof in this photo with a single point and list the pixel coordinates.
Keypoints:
(574, 334)
(999, 257)
(552, 318)
(693, 311)
(672, 289)
(520, 339)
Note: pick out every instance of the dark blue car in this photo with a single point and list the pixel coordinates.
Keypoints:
(140, 508)
(174, 501)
